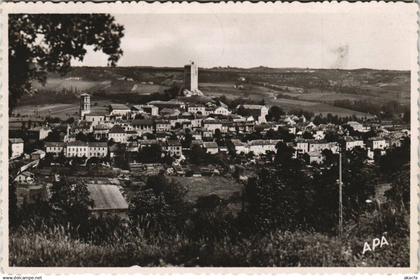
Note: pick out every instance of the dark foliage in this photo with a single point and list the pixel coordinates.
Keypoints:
(40, 43)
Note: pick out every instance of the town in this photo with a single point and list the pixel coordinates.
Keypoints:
(110, 145)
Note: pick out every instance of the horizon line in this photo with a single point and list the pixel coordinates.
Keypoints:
(239, 67)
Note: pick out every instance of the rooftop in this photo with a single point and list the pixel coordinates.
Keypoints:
(251, 106)
(54, 144)
(263, 142)
(106, 197)
(16, 140)
(172, 142)
(117, 129)
(142, 122)
(210, 145)
(98, 144)
(119, 107)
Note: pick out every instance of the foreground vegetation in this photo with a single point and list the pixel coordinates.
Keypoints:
(288, 217)
(54, 247)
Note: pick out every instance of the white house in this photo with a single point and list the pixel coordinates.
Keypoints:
(377, 143)
(162, 125)
(261, 146)
(38, 154)
(40, 133)
(211, 147)
(320, 146)
(315, 157)
(211, 124)
(222, 111)
(117, 134)
(143, 126)
(148, 109)
(54, 148)
(101, 131)
(25, 177)
(319, 134)
(174, 148)
(312, 145)
(239, 146)
(357, 126)
(16, 147)
(94, 118)
(258, 112)
(302, 146)
(98, 149)
(119, 110)
(352, 143)
(196, 109)
(76, 149)
(86, 149)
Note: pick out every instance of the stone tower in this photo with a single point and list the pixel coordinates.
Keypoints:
(191, 77)
(84, 104)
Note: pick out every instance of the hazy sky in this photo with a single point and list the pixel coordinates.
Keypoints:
(273, 40)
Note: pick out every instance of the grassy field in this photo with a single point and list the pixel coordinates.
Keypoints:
(55, 248)
(308, 101)
(108, 86)
(59, 84)
(62, 111)
(315, 95)
(204, 186)
(315, 107)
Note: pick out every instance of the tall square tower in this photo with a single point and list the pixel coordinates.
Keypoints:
(84, 104)
(191, 77)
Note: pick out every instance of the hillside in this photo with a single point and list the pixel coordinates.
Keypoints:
(315, 90)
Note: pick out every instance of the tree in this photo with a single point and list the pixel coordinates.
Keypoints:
(395, 158)
(242, 111)
(53, 136)
(275, 113)
(42, 43)
(274, 200)
(399, 194)
(359, 182)
(307, 135)
(198, 155)
(186, 142)
(70, 202)
(159, 205)
(151, 154)
(13, 208)
(331, 136)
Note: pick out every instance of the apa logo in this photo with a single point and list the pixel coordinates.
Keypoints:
(375, 243)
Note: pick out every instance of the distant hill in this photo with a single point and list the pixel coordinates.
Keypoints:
(286, 87)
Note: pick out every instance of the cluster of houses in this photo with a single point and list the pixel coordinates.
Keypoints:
(167, 123)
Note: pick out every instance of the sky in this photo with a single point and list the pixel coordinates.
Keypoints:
(329, 40)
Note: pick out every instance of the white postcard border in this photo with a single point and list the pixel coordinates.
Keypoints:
(197, 8)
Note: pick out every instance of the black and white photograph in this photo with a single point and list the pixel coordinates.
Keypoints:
(212, 139)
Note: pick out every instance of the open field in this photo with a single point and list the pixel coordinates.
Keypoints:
(315, 107)
(304, 102)
(324, 96)
(62, 111)
(204, 186)
(59, 84)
